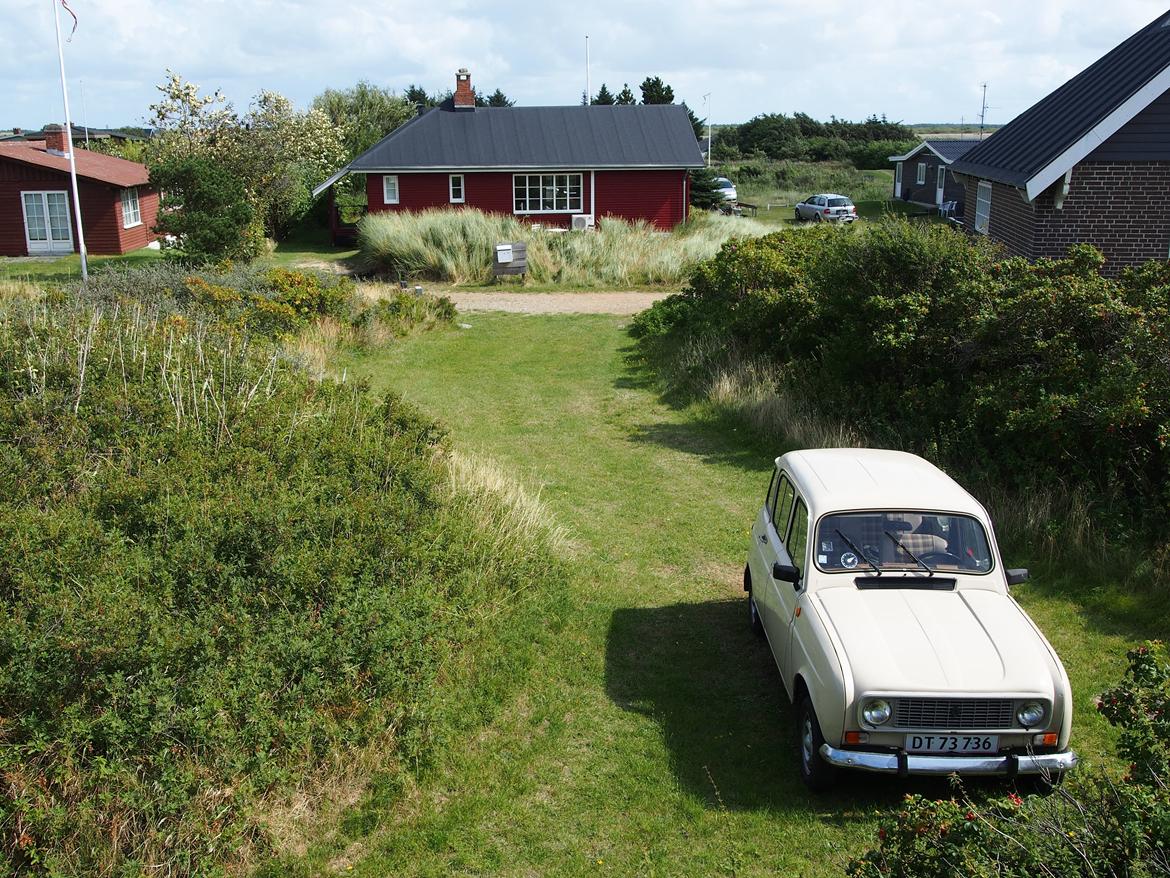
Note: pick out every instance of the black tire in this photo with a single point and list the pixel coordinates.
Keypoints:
(798, 216)
(817, 218)
(754, 621)
(817, 774)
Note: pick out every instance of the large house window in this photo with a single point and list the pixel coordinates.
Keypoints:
(921, 173)
(983, 208)
(131, 215)
(546, 193)
(390, 189)
(456, 185)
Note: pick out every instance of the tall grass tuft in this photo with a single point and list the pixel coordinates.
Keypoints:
(457, 246)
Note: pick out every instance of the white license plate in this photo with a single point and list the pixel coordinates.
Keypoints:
(952, 743)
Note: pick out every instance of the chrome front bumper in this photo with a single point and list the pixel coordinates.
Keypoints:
(905, 763)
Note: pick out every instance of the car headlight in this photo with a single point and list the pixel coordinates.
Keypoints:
(876, 711)
(1030, 714)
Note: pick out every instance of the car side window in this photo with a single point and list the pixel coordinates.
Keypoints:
(770, 499)
(798, 535)
(783, 506)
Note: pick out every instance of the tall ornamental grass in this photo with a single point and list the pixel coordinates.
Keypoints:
(221, 578)
(457, 246)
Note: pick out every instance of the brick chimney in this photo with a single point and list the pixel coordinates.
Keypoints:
(464, 96)
(55, 140)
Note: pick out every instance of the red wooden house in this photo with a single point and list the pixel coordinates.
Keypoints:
(118, 207)
(543, 164)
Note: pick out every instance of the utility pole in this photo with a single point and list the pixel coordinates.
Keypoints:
(983, 112)
(84, 113)
(707, 101)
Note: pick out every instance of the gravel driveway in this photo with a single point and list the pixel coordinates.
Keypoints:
(556, 303)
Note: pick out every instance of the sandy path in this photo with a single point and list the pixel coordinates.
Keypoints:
(555, 303)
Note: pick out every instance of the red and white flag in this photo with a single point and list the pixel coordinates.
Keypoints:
(65, 4)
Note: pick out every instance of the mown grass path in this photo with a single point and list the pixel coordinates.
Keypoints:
(653, 738)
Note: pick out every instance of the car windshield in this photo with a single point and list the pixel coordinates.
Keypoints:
(839, 202)
(724, 183)
(900, 541)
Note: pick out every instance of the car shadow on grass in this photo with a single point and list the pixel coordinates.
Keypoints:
(697, 670)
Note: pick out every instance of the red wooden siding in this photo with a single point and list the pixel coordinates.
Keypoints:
(101, 210)
(658, 197)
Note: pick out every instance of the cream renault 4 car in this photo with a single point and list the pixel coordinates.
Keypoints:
(879, 586)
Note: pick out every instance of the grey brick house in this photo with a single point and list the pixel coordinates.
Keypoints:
(1088, 163)
(923, 175)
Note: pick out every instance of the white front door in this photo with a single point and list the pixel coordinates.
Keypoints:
(46, 222)
(941, 185)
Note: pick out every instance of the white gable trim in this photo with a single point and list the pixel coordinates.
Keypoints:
(330, 181)
(1104, 129)
(918, 149)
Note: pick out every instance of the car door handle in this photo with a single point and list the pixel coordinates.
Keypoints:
(763, 538)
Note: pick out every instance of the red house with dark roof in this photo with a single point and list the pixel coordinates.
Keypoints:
(559, 166)
(118, 206)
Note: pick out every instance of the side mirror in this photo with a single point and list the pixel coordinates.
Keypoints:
(785, 573)
(1017, 576)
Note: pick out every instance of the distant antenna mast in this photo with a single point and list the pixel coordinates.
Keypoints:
(588, 81)
(707, 101)
(983, 112)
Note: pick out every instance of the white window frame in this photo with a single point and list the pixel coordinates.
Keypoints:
(389, 180)
(451, 188)
(898, 180)
(131, 208)
(983, 207)
(921, 180)
(577, 207)
(50, 244)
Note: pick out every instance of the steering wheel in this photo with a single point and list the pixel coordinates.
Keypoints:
(941, 558)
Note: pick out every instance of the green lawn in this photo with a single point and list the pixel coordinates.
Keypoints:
(310, 248)
(653, 737)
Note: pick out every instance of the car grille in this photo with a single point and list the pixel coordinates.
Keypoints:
(954, 713)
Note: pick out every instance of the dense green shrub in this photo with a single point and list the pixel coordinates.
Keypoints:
(1092, 826)
(205, 215)
(940, 344)
(218, 575)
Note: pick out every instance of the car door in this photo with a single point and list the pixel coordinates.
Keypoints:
(771, 549)
(803, 209)
(758, 565)
(784, 596)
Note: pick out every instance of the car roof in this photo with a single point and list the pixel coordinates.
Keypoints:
(830, 195)
(724, 179)
(840, 479)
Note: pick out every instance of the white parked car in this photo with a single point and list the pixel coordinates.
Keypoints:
(827, 207)
(726, 189)
(878, 583)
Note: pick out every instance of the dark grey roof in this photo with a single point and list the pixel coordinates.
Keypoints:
(1033, 140)
(951, 149)
(637, 136)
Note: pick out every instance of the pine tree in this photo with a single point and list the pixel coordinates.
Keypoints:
(604, 97)
(696, 123)
(498, 99)
(704, 193)
(655, 91)
(625, 97)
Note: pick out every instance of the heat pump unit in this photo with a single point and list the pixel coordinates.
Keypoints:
(582, 221)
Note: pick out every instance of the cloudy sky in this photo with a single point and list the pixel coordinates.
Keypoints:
(913, 60)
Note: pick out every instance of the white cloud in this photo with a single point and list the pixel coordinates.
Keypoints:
(915, 60)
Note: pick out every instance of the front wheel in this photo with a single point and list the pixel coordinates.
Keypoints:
(817, 774)
(798, 216)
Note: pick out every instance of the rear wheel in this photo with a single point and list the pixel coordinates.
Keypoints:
(817, 218)
(817, 774)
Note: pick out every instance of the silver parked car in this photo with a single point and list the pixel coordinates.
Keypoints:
(826, 206)
(726, 189)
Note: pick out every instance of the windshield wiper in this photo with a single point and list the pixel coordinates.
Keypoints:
(860, 554)
(929, 570)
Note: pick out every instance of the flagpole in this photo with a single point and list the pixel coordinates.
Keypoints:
(69, 143)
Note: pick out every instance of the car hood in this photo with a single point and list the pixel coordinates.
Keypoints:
(915, 640)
